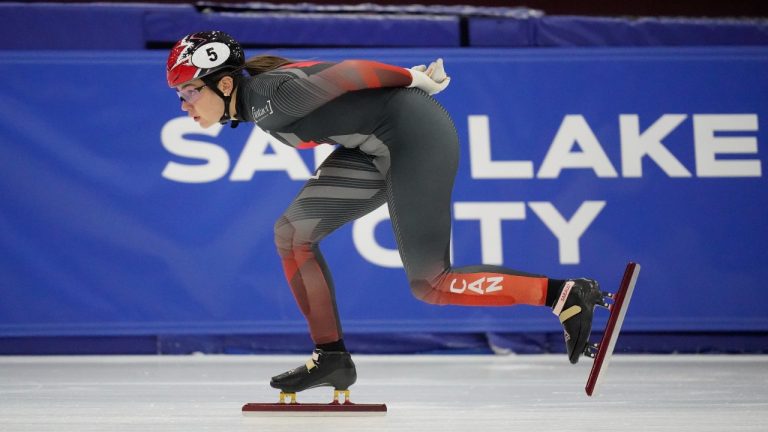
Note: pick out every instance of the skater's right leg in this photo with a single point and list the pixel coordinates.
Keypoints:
(347, 186)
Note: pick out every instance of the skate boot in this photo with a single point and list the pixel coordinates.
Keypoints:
(324, 369)
(574, 307)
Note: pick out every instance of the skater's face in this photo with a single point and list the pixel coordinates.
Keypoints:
(201, 103)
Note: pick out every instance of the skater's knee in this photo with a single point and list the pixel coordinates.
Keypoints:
(284, 232)
(425, 291)
(290, 237)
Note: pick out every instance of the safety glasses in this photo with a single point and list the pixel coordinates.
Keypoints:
(190, 94)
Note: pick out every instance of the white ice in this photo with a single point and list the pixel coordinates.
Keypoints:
(423, 393)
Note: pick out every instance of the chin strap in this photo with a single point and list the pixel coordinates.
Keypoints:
(226, 117)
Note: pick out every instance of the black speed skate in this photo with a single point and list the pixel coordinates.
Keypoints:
(324, 369)
(574, 308)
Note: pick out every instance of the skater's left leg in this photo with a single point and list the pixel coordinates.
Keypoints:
(419, 186)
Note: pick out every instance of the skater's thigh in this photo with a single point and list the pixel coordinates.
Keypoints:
(345, 187)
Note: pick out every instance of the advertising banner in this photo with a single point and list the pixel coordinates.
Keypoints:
(120, 216)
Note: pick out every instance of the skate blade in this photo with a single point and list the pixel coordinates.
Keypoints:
(333, 409)
(604, 350)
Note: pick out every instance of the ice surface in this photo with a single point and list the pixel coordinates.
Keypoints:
(423, 393)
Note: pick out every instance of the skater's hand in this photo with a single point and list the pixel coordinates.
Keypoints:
(436, 71)
(431, 79)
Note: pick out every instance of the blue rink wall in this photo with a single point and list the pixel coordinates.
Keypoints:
(125, 228)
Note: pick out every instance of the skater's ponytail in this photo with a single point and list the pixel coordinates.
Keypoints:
(264, 63)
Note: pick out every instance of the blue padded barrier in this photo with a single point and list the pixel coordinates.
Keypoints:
(584, 31)
(496, 32)
(267, 29)
(138, 26)
(370, 8)
(565, 31)
(124, 26)
(74, 26)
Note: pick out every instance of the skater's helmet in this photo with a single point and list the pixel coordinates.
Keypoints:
(202, 54)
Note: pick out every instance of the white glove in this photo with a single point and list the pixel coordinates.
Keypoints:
(425, 78)
(436, 71)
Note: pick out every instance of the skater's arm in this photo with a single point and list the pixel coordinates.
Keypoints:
(313, 85)
(310, 85)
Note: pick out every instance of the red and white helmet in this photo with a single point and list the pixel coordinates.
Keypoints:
(201, 54)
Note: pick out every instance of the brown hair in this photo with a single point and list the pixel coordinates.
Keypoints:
(254, 66)
(264, 63)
